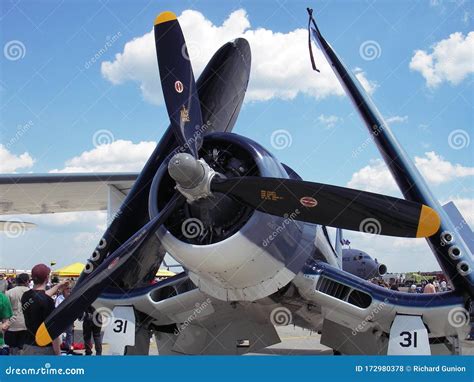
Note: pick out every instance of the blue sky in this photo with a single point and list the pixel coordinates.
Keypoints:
(64, 98)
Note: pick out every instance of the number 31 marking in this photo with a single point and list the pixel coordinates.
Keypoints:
(408, 341)
(120, 326)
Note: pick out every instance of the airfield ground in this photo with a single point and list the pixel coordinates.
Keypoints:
(295, 341)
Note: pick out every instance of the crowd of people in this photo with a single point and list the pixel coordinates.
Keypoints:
(425, 286)
(429, 286)
(24, 305)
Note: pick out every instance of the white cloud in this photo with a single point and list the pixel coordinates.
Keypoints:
(280, 62)
(436, 170)
(10, 162)
(329, 121)
(85, 220)
(117, 156)
(374, 177)
(64, 238)
(397, 119)
(451, 60)
(369, 86)
(80, 220)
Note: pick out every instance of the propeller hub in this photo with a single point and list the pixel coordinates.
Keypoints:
(186, 170)
(192, 176)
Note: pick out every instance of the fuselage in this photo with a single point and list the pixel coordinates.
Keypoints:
(361, 264)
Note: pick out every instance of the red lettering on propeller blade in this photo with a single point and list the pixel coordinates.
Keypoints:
(308, 201)
(178, 86)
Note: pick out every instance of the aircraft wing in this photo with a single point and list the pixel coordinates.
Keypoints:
(64, 192)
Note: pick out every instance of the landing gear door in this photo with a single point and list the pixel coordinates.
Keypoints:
(408, 336)
(120, 331)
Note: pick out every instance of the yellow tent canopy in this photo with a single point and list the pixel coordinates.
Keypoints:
(71, 270)
(75, 269)
(164, 273)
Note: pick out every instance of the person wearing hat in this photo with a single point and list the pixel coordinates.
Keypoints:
(37, 305)
(16, 334)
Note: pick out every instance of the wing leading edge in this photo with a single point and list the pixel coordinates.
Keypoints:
(64, 192)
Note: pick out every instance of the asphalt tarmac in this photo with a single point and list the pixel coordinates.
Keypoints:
(295, 341)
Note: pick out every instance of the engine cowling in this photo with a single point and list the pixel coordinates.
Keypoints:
(231, 251)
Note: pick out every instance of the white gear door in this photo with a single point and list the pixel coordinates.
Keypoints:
(408, 336)
(120, 330)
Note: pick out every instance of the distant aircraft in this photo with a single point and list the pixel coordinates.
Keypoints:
(361, 264)
(358, 262)
(249, 232)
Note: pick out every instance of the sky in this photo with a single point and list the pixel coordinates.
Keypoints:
(80, 92)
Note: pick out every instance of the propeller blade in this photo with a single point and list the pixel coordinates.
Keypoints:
(177, 82)
(113, 266)
(221, 88)
(332, 206)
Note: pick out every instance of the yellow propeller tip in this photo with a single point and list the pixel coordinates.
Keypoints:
(428, 223)
(164, 17)
(42, 336)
